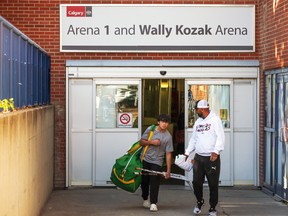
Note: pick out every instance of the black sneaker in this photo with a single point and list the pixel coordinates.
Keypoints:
(197, 209)
(212, 212)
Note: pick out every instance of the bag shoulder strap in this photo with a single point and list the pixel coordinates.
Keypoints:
(149, 138)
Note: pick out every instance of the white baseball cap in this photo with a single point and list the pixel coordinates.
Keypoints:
(202, 104)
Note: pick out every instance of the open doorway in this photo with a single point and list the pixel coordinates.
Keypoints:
(165, 96)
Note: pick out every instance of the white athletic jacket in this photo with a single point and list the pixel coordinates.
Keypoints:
(207, 137)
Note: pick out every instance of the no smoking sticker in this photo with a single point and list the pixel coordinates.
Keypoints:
(124, 119)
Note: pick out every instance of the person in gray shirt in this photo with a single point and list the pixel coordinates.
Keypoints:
(160, 147)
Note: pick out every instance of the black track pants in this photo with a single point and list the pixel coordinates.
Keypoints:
(151, 183)
(211, 169)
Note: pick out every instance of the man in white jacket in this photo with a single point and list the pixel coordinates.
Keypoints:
(207, 141)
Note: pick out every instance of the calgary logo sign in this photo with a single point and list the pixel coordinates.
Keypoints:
(79, 11)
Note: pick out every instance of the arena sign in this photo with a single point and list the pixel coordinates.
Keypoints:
(157, 28)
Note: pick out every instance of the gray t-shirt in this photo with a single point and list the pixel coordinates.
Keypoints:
(156, 154)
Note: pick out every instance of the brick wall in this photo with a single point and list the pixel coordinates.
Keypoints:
(273, 24)
(39, 20)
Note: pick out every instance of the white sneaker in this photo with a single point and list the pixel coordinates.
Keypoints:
(153, 208)
(197, 209)
(146, 204)
(212, 212)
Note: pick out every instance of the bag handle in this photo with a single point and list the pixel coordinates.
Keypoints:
(149, 138)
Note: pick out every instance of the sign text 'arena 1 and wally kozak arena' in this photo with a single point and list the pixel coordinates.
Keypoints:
(157, 28)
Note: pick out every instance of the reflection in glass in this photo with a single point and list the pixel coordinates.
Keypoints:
(269, 116)
(268, 101)
(280, 147)
(218, 97)
(285, 137)
(112, 100)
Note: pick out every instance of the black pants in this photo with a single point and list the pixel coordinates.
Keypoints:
(150, 183)
(211, 169)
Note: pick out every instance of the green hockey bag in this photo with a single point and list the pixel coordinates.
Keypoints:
(123, 171)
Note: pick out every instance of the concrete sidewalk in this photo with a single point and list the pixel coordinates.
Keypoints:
(173, 200)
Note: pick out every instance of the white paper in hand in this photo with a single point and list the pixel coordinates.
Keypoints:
(180, 161)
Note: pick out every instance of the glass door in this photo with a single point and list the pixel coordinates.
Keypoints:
(116, 117)
(218, 94)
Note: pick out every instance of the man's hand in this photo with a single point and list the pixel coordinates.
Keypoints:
(214, 156)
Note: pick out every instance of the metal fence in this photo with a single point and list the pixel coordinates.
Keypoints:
(24, 68)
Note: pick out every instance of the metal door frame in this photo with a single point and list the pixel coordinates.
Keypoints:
(171, 69)
(228, 130)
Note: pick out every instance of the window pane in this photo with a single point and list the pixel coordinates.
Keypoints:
(268, 97)
(111, 101)
(218, 97)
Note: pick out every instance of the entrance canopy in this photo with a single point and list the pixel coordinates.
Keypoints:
(163, 69)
